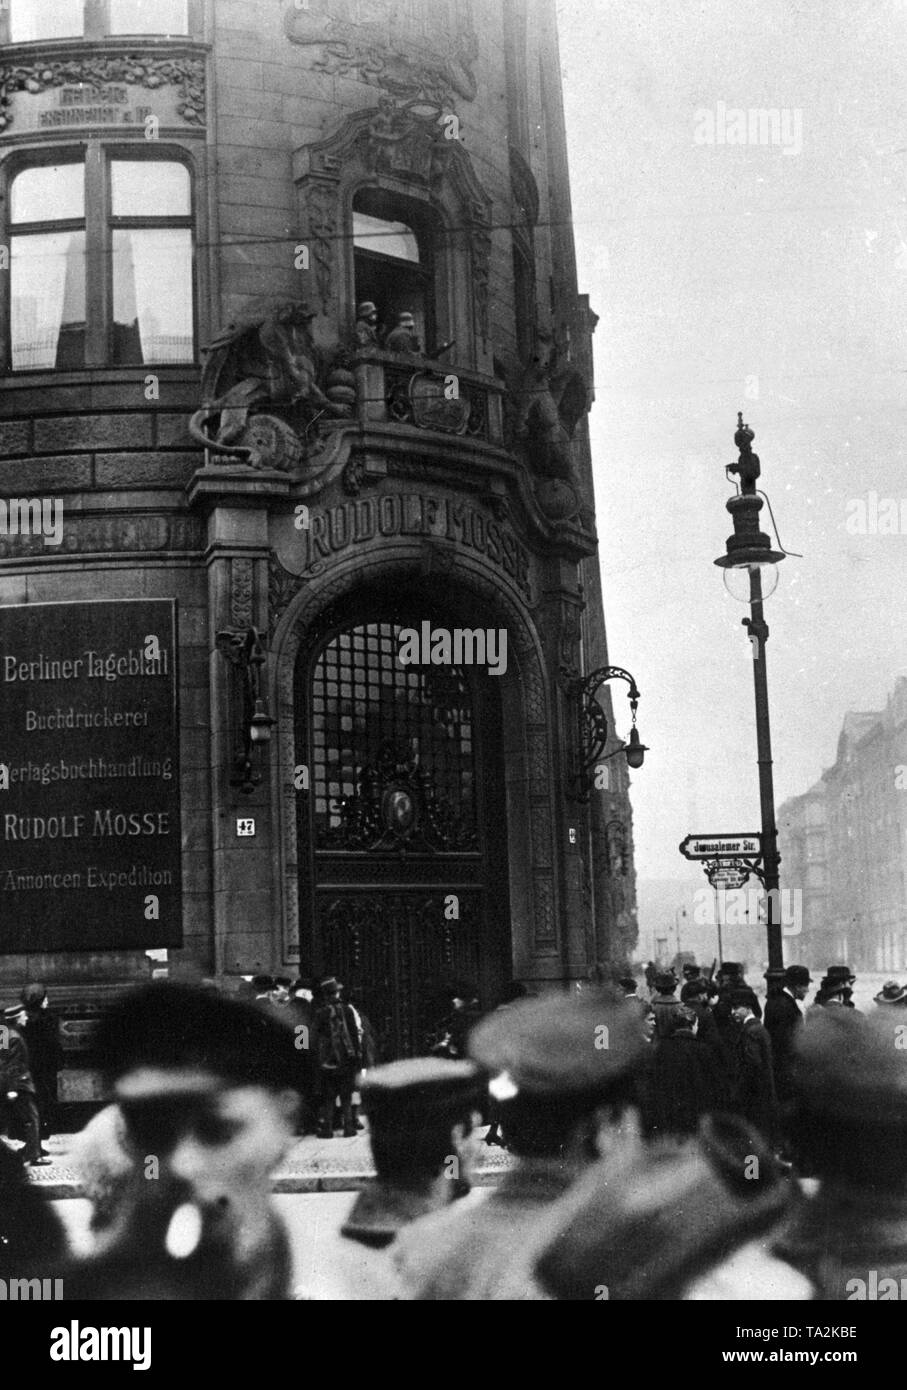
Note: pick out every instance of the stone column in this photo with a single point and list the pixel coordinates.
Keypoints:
(246, 915)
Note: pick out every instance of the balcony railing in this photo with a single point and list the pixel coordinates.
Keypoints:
(429, 394)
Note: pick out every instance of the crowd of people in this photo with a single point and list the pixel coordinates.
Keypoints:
(673, 1142)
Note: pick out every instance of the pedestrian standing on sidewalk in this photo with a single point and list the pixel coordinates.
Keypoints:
(683, 1081)
(17, 1085)
(339, 1058)
(756, 1098)
(42, 1038)
(783, 1021)
(665, 1003)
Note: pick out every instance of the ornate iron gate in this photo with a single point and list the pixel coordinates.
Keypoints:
(402, 834)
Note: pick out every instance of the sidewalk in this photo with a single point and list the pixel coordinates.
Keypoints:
(312, 1165)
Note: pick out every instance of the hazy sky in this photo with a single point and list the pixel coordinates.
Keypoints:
(742, 276)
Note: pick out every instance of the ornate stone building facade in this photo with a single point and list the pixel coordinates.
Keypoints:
(200, 197)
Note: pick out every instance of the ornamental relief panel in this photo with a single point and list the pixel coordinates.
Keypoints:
(410, 48)
(121, 89)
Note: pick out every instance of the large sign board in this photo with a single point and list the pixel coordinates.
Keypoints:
(90, 832)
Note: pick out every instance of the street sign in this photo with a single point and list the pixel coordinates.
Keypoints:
(721, 846)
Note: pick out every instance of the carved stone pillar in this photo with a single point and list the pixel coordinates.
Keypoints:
(236, 502)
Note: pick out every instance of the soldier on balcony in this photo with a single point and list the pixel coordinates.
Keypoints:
(403, 338)
(367, 324)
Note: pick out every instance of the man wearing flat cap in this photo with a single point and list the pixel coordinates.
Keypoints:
(420, 1114)
(562, 1070)
(206, 1086)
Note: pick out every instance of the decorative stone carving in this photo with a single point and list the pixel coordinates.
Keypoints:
(242, 592)
(282, 589)
(570, 633)
(421, 399)
(99, 70)
(414, 51)
(551, 404)
(266, 358)
(322, 212)
(396, 142)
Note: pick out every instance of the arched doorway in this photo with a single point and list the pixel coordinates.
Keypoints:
(402, 837)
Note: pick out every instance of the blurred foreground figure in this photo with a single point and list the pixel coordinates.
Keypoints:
(561, 1073)
(420, 1115)
(32, 1243)
(850, 1131)
(849, 1239)
(206, 1089)
(644, 1222)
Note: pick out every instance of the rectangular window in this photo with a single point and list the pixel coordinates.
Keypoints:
(142, 313)
(149, 17)
(151, 245)
(47, 268)
(30, 20)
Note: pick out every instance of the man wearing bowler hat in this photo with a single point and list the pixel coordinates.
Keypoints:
(562, 1071)
(420, 1115)
(840, 977)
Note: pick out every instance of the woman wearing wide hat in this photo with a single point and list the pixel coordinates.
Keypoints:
(892, 993)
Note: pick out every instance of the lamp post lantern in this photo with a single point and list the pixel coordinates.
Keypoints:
(749, 549)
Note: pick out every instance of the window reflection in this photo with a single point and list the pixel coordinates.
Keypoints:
(148, 17)
(45, 19)
(48, 301)
(146, 248)
(152, 296)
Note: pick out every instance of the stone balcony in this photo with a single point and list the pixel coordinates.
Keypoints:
(429, 394)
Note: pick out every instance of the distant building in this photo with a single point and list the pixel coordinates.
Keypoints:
(844, 846)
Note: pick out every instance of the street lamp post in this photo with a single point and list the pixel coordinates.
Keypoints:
(749, 549)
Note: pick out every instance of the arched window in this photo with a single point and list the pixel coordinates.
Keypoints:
(394, 261)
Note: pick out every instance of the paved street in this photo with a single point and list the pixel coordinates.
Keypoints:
(312, 1166)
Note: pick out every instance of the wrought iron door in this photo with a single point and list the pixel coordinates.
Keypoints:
(402, 833)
